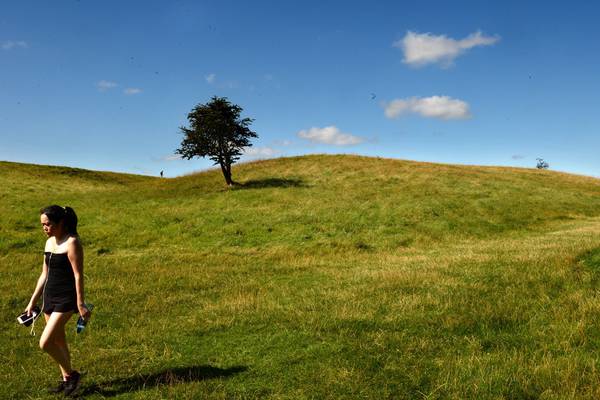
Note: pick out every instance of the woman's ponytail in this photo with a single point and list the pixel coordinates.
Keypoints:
(70, 221)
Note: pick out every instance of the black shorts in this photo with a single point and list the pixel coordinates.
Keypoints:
(60, 302)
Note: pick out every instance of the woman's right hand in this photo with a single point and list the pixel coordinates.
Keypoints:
(29, 309)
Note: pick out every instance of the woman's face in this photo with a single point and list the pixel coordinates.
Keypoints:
(50, 228)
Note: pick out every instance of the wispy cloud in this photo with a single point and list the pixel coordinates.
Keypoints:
(13, 44)
(103, 85)
(283, 142)
(517, 157)
(270, 81)
(424, 48)
(330, 135)
(172, 157)
(260, 152)
(440, 107)
(230, 85)
(132, 91)
(210, 78)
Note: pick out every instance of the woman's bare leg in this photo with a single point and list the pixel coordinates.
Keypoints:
(53, 340)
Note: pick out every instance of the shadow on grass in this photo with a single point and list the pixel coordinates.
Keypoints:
(270, 183)
(167, 377)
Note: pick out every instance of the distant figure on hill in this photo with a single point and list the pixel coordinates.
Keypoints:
(161, 174)
(541, 164)
(61, 287)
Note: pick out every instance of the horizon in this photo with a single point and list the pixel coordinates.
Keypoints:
(255, 160)
(464, 84)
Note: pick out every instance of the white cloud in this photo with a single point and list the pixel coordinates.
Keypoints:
(131, 91)
(330, 135)
(517, 157)
(11, 44)
(424, 48)
(441, 107)
(210, 78)
(256, 152)
(103, 85)
(172, 157)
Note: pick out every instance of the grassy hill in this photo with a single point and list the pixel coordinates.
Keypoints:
(316, 277)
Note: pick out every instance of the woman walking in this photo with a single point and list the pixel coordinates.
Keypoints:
(61, 285)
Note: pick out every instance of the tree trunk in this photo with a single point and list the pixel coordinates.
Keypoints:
(226, 169)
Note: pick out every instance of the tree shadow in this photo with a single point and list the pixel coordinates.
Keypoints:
(270, 183)
(167, 377)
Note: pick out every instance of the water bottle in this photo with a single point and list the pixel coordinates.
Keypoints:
(81, 322)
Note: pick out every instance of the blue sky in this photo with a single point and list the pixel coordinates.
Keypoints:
(105, 85)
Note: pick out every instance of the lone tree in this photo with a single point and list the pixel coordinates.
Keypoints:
(217, 132)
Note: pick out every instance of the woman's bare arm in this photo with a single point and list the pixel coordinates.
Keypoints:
(75, 254)
(39, 287)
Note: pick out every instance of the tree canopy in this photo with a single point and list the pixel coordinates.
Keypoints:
(216, 131)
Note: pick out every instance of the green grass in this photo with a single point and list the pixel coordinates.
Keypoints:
(317, 277)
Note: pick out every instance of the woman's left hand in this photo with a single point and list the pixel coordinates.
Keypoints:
(84, 312)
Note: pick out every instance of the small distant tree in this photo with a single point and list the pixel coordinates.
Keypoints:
(216, 131)
(541, 164)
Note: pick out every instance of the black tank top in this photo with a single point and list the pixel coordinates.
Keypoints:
(60, 273)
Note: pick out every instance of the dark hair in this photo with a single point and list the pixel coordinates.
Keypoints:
(66, 214)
